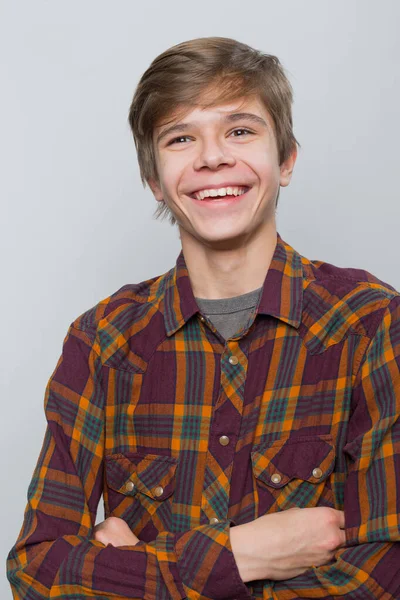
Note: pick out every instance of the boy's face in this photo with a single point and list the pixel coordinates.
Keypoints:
(228, 146)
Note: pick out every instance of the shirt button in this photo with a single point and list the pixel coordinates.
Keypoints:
(224, 440)
(276, 478)
(202, 319)
(233, 360)
(317, 473)
(158, 491)
(130, 486)
(214, 521)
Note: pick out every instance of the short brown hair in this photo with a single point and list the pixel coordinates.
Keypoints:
(180, 77)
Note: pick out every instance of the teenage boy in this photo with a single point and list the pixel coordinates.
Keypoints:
(240, 413)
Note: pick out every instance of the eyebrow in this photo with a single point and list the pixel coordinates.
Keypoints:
(232, 118)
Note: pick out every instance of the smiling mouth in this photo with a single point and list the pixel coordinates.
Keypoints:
(222, 197)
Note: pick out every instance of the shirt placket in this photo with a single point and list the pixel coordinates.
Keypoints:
(224, 433)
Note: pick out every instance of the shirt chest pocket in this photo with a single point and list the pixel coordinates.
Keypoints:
(137, 487)
(294, 473)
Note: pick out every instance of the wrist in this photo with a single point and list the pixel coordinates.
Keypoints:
(243, 543)
(236, 539)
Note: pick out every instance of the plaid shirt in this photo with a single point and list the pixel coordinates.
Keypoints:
(187, 435)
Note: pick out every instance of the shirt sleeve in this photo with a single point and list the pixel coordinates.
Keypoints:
(368, 568)
(55, 555)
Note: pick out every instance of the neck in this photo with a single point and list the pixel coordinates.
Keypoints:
(228, 272)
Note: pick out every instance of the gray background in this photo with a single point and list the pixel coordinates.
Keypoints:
(76, 223)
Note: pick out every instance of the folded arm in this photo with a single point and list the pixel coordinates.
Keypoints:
(368, 568)
(56, 555)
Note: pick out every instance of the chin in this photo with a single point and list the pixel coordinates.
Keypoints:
(228, 239)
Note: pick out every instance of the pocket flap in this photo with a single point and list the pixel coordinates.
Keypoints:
(148, 474)
(310, 458)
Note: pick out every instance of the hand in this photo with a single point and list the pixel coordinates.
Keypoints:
(115, 531)
(283, 545)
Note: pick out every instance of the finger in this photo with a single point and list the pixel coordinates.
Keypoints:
(99, 538)
(100, 526)
(342, 538)
(339, 514)
(341, 519)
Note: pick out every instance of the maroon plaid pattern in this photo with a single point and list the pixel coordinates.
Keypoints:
(187, 435)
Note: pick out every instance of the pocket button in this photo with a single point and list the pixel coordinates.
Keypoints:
(317, 473)
(158, 491)
(276, 478)
(130, 486)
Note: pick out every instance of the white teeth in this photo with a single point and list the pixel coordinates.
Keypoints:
(228, 191)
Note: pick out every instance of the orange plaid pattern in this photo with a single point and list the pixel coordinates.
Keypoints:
(186, 435)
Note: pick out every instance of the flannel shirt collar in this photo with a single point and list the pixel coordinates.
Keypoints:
(282, 295)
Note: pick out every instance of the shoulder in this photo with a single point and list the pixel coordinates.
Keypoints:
(339, 301)
(116, 314)
(348, 282)
(324, 271)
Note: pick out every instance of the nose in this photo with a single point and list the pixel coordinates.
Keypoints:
(213, 154)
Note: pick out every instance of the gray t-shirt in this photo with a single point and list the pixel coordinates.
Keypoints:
(229, 315)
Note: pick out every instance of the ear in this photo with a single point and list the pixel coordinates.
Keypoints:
(156, 189)
(286, 168)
